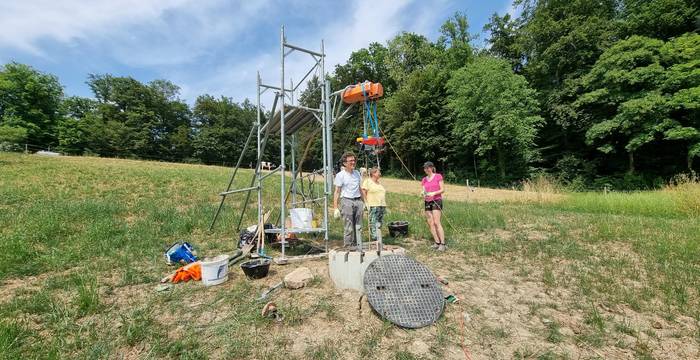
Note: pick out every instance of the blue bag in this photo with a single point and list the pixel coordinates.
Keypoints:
(180, 253)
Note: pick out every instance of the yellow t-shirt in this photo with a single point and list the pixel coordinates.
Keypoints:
(375, 193)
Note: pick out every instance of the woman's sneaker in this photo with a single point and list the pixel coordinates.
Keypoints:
(435, 246)
(442, 247)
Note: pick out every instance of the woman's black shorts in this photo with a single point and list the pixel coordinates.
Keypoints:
(433, 205)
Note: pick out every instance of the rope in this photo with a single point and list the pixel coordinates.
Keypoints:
(366, 111)
(460, 314)
(397, 154)
(414, 178)
(467, 355)
(370, 114)
(375, 126)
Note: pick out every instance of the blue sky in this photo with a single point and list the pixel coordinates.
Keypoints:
(209, 46)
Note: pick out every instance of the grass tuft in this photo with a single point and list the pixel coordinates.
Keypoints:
(326, 350)
(13, 337)
(88, 299)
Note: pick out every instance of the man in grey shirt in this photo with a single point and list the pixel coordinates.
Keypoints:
(347, 188)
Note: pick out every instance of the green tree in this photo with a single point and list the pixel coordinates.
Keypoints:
(73, 129)
(504, 40)
(365, 64)
(412, 60)
(557, 42)
(644, 91)
(495, 111)
(221, 128)
(416, 119)
(660, 19)
(126, 111)
(408, 52)
(142, 120)
(565, 37)
(455, 39)
(173, 126)
(30, 100)
(11, 137)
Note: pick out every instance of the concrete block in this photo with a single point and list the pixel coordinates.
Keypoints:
(347, 268)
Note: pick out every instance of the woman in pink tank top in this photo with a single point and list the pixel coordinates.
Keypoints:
(433, 188)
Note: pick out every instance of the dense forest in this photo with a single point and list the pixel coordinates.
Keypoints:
(591, 93)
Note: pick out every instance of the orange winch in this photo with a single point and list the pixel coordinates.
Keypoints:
(362, 92)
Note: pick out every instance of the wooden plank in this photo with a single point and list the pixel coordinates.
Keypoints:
(288, 259)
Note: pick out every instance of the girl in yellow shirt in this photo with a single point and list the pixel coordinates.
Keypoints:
(374, 194)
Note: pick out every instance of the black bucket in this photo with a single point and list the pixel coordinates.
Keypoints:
(256, 269)
(398, 228)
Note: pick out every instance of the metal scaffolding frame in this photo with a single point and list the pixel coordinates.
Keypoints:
(286, 119)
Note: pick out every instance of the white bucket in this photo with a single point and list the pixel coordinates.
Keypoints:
(215, 270)
(301, 218)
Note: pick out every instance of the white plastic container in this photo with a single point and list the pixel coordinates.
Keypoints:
(301, 218)
(215, 270)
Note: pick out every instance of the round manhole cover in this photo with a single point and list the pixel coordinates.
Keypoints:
(403, 291)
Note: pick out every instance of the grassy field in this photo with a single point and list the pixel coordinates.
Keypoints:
(587, 276)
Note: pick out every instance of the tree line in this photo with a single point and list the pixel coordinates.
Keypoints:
(126, 118)
(603, 93)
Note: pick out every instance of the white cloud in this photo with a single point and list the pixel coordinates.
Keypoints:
(133, 32)
(196, 45)
(368, 21)
(25, 23)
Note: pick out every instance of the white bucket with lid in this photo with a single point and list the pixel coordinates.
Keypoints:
(301, 218)
(215, 270)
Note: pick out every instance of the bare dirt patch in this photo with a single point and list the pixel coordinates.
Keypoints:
(10, 288)
(502, 313)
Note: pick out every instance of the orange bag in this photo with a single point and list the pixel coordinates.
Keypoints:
(188, 272)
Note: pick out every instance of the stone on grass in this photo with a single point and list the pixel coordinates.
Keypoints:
(298, 278)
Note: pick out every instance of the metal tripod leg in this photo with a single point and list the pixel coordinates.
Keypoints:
(354, 227)
(233, 176)
(380, 245)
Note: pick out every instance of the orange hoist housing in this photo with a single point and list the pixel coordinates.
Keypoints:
(353, 93)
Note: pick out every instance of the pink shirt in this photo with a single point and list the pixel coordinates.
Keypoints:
(431, 186)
